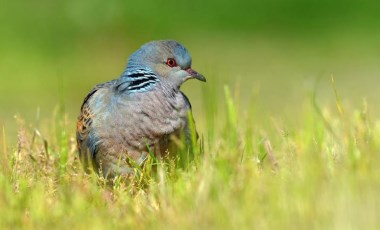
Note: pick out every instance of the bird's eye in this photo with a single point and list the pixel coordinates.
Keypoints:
(171, 62)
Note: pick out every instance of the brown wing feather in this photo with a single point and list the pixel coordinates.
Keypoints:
(84, 123)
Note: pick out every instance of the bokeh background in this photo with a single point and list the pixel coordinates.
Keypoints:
(273, 52)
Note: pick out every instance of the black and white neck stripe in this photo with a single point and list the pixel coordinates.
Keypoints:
(138, 80)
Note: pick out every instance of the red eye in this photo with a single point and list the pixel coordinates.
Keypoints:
(171, 62)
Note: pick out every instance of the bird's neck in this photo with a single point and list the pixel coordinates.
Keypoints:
(138, 79)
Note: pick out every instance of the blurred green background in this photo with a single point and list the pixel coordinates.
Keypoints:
(53, 52)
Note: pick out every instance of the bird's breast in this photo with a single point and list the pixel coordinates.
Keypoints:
(145, 119)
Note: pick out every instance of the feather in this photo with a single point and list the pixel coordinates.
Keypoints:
(84, 123)
(137, 80)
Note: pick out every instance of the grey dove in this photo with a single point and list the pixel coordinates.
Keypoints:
(143, 110)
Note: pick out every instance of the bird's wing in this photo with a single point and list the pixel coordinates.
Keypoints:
(84, 125)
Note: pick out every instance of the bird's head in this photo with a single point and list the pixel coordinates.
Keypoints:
(168, 59)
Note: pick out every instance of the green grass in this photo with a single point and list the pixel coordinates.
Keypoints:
(277, 150)
(321, 174)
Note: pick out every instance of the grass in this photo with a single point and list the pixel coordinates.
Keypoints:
(272, 153)
(321, 174)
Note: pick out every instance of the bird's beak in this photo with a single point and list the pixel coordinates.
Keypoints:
(194, 74)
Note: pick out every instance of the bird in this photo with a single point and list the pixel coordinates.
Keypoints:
(123, 120)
